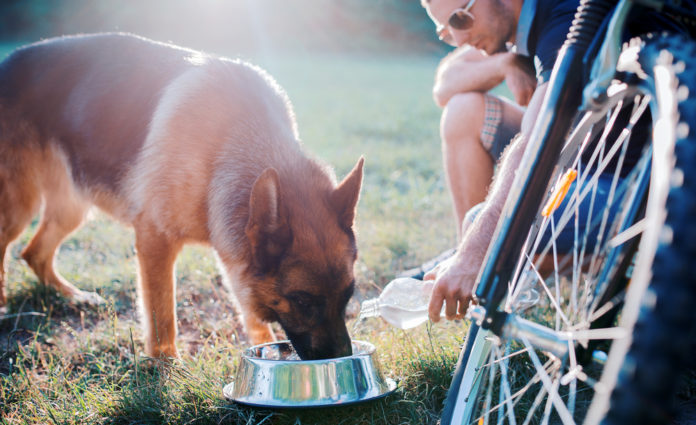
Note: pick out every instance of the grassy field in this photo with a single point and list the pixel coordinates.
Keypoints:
(65, 365)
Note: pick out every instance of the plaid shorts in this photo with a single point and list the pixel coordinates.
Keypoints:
(497, 131)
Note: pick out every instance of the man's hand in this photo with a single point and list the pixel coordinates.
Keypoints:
(453, 287)
(469, 70)
(455, 277)
(520, 78)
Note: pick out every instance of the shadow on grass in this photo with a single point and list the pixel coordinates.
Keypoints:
(158, 402)
(34, 312)
(381, 411)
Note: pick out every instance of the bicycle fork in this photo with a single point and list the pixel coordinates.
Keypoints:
(510, 326)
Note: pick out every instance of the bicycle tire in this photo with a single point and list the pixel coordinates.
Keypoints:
(637, 395)
(663, 326)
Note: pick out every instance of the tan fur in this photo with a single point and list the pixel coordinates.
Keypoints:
(198, 179)
(27, 176)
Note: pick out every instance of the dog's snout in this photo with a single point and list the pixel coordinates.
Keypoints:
(344, 347)
(329, 351)
(322, 343)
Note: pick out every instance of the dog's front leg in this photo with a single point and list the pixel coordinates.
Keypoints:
(156, 257)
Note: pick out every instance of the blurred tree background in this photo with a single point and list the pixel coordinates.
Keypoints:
(224, 26)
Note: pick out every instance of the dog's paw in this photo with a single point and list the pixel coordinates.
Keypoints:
(88, 298)
(165, 352)
(3, 310)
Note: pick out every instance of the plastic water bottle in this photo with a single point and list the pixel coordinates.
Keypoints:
(403, 303)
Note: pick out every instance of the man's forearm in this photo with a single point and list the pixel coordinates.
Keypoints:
(455, 280)
(480, 74)
(481, 231)
(456, 277)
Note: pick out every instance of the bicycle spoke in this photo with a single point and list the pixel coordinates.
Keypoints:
(628, 234)
(638, 174)
(553, 300)
(573, 384)
(551, 388)
(608, 156)
(618, 298)
(515, 398)
(626, 133)
(608, 125)
(557, 279)
(489, 392)
(549, 404)
(535, 405)
(505, 389)
(594, 265)
(577, 257)
(618, 143)
(637, 112)
(610, 119)
(509, 356)
(571, 209)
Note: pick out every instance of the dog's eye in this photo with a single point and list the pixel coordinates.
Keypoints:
(302, 300)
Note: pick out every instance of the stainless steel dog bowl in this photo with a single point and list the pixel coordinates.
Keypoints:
(271, 375)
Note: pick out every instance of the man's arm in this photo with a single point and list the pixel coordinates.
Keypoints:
(467, 70)
(455, 279)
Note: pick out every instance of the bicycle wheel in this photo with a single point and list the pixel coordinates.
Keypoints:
(573, 272)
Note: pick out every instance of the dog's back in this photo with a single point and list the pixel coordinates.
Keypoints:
(98, 95)
(95, 95)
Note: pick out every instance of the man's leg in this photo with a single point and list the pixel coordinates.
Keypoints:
(475, 128)
(468, 166)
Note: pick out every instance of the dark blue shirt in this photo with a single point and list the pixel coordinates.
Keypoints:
(541, 31)
(543, 26)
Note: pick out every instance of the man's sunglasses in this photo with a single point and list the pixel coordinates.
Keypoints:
(460, 19)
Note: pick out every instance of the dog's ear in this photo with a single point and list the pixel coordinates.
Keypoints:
(267, 229)
(345, 197)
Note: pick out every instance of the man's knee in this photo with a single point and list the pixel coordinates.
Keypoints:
(462, 117)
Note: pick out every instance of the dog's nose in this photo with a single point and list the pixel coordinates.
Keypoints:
(339, 346)
(331, 352)
(345, 348)
(329, 348)
(324, 343)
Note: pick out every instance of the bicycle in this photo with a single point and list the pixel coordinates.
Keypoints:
(598, 332)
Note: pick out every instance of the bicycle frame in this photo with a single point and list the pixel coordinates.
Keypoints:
(558, 109)
(568, 91)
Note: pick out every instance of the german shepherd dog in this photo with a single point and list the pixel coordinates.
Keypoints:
(186, 148)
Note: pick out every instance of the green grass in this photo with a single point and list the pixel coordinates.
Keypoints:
(60, 364)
